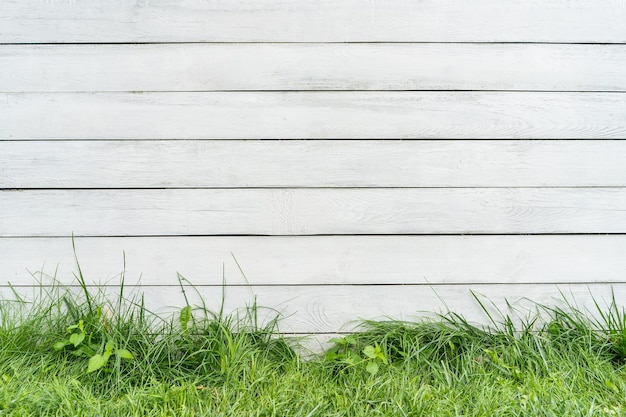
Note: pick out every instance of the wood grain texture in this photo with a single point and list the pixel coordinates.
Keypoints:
(124, 121)
(324, 309)
(315, 115)
(312, 20)
(219, 67)
(314, 260)
(312, 211)
(369, 163)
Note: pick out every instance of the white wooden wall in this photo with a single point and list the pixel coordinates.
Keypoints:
(360, 159)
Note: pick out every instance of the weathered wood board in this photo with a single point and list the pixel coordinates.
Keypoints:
(312, 66)
(317, 211)
(316, 260)
(98, 21)
(313, 115)
(320, 163)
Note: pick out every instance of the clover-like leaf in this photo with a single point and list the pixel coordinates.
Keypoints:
(337, 340)
(61, 344)
(372, 368)
(96, 362)
(77, 338)
(351, 340)
(370, 352)
(124, 354)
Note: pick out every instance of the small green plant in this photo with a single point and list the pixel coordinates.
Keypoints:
(92, 335)
(76, 338)
(346, 351)
(374, 356)
(90, 340)
(99, 360)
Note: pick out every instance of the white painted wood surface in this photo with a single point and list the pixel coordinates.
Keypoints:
(333, 308)
(378, 66)
(315, 115)
(315, 260)
(312, 211)
(312, 20)
(323, 163)
(134, 118)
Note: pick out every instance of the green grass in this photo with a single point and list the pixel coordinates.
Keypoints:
(203, 363)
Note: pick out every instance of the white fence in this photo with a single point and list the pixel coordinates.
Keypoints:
(358, 159)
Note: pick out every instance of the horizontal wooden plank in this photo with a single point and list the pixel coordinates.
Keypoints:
(314, 260)
(312, 211)
(219, 67)
(324, 309)
(315, 115)
(371, 163)
(312, 20)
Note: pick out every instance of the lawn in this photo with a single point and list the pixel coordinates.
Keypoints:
(83, 353)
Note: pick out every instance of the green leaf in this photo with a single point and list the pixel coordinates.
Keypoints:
(108, 348)
(492, 354)
(77, 338)
(370, 352)
(61, 344)
(96, 362)
(351, 340)
(185, 317)
(372, 368)
(554, 328)
(611, 386)
(82, 350)
(124, 354)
